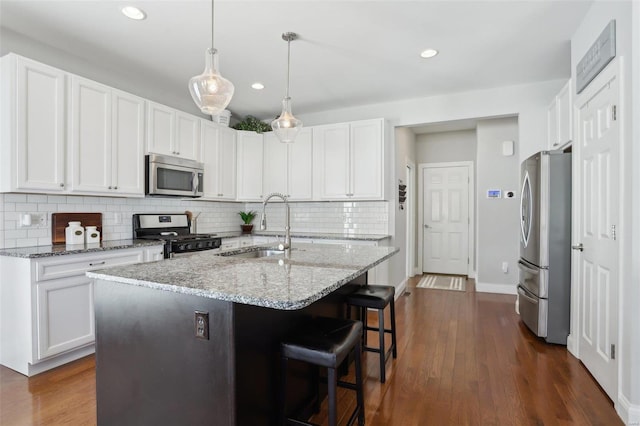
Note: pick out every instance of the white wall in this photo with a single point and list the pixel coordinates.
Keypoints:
(405, 154)
(446, 147)
(627, 39)
(497, 219)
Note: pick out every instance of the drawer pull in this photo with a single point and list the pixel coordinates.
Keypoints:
(97, 263)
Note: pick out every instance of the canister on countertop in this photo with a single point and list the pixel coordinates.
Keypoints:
(92, 235)
(74, 233)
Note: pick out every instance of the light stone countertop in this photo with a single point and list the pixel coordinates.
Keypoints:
(62, 249)
(312, 272)
(303, 234)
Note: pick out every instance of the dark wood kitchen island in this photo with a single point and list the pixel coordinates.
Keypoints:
(152, 369)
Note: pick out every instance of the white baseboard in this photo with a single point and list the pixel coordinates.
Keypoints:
(572, 346)
(401, 288)
(496, 288)
(628, 412)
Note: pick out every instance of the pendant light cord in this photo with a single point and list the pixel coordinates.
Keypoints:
(212, 16)
(288, 64)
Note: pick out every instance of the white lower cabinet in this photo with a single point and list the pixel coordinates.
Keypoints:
(46, 306)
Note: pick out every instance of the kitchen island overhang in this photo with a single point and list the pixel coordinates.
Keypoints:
(151, 368)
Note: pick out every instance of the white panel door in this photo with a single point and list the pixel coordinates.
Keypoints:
(366, 159)
(331, 152)
(275, 165)
(599, 200)
(300, 169)
(90, 136)
(40, 126)
(446, 220)
(127, 138)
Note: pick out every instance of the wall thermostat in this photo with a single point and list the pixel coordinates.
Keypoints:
(494, 193)
(509, 194)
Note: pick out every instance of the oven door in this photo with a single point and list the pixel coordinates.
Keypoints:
(165, 179)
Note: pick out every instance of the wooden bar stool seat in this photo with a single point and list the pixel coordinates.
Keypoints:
(376, 297)
(326, 342)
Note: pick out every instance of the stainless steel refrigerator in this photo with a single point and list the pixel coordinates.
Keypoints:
(544, 288)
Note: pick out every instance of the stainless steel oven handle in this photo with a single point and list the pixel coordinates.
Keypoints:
(524, 267)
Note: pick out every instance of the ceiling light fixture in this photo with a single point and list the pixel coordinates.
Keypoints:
(429, 53)
(210, 91)
(257, 86)
(133, 12)
(286, 126)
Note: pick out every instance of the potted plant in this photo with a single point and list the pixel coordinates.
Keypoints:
(252, 124)
(247, 218)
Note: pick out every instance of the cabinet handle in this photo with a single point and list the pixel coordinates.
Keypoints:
(98, 263)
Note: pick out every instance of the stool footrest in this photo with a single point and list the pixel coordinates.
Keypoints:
(386, 330)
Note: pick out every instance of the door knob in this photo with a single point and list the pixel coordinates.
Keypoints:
(427, 226)
(578, 247)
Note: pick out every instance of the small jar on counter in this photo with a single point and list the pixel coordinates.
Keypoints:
(74, 233)
(92, 235)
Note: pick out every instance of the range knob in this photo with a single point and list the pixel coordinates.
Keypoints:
(188, 246)
(198, 245)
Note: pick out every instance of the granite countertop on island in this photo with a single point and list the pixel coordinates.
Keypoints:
(311, 272)
(62, 249)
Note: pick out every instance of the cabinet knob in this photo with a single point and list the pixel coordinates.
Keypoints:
(62, 185)
(115, 187)
(109, 187)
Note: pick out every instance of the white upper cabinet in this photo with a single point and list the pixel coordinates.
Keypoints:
(219, 158)
(349, 161)
(560, 119)
(172, 132)
(107, 140)
(32, 139)
(250, 157)
(288, 167)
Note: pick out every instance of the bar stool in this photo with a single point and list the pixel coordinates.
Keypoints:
(326, 342)
(376, 297)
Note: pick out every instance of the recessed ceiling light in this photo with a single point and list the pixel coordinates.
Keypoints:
(134, 13)
(257, 86)
(429, 53)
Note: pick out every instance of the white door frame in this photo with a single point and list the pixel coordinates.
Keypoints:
(411, 218)
(472, 207)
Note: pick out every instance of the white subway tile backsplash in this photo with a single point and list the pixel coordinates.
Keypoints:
(330, 217)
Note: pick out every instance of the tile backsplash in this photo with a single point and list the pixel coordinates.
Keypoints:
(369, 217)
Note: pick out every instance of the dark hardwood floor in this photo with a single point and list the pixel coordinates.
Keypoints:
(464, 358)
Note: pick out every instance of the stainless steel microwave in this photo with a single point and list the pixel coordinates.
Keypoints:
(173, 176)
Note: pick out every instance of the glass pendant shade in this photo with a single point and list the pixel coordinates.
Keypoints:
(210, 91)
(286, 126)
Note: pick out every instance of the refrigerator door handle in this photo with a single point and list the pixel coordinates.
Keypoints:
(524, 267)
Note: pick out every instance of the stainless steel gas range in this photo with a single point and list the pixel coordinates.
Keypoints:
(175, 230)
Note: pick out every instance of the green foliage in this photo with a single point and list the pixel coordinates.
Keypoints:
(252, 124)
(247, 217)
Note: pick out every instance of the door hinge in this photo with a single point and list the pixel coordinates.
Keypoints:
(614, 113)
(467, 260)
(613, 232)
(613, 351)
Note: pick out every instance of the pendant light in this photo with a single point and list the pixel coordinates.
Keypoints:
(210, 91)
(286, 126)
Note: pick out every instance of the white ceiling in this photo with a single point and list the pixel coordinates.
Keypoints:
(349, 52)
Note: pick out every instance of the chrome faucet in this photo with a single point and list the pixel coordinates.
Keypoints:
(286, 246)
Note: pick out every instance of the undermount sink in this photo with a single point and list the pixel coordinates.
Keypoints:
(255, 254)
